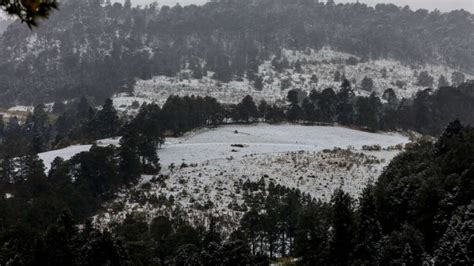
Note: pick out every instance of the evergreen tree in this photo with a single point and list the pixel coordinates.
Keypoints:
(107, 120)
(83, 109)
(258, 84)
(263, 109)
(326, 107)
(425, 79)
(59, 243)
(442, 82)
(312, 234)
(367, 84)
(130, 165)
(342, 239)
(39, 128)
(367, 111)
(298, 66)
(344, 108)
(161, 230)
(369, 233)
(308, 110)
(247, 110)
(423, 111)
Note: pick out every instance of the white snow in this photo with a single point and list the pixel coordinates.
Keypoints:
(21, 108)
(66, 153)
(213, 144)
(69, 152)
(210, 166)
(323, 63)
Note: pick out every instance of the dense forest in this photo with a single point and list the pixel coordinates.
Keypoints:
(96, 48)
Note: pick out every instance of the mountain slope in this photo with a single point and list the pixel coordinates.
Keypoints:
(95, 50)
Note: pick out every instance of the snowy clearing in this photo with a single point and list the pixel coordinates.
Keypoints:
(385, 73)
(203, 171)
(212, 144)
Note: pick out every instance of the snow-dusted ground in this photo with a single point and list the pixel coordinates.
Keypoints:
(209, 166)
(69, 152)
(66, 153)
(323, 63)
(214, 144)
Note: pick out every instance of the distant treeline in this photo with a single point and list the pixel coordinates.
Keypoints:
(95, 49)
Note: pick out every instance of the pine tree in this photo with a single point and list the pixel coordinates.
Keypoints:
(160, 230)
(344, 108)
(425, 79)
(250, 224)
(341, 243)
(83, 109)
(263, 108)
(40, 129)
(369, 234)
(337, 76)
(258, 84)
(107, 120)
(298, 66)
(130, 165)
(442, 82)
(367, 84)
(247, 110)
(312, 234)
(59, 241)
(33, 176)
(327, 102)
(308, 110)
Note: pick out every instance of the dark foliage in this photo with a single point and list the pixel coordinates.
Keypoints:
(95, 49)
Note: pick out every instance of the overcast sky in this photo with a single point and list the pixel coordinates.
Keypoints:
(443, 5)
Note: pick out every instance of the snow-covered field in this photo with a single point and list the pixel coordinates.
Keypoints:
(204, 170)
(323, 64)
(66, 153)
(215, 144)
(69, 152)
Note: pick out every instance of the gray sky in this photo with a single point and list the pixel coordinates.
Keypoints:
(443, 5)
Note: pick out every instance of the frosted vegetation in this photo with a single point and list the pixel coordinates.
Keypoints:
(203, 171)
(305, 70)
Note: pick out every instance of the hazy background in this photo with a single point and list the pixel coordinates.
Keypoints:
(443, 5)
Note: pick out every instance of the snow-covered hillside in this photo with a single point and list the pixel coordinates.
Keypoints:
(204, 171)
(323, 64)
(69, 152)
